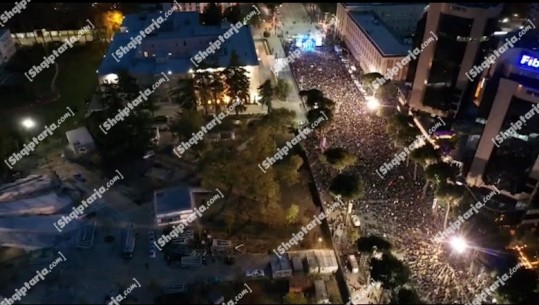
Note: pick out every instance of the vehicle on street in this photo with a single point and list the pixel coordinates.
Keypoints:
(255, 273)
(355, 220)
(151, 253)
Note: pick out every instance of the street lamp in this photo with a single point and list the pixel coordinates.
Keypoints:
(372, 103)
(28, 123)
(461, 181)
(458, 244)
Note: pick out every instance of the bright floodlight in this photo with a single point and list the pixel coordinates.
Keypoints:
(372, 103)
(459, 244)
(28, 123)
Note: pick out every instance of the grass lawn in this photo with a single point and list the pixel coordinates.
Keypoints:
(76, 82)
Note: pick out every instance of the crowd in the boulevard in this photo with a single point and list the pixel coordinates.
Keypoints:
(405, 218)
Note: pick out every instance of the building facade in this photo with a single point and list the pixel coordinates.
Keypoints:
(171, 49)
(506, 154)
(378, 35)
(437, 78)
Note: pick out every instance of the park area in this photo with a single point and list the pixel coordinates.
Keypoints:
(45, 99)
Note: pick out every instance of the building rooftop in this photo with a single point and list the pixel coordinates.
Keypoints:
(379, 34)
(28, 187)
(80, 135)
(280, 264)
(173, 200)
(180, 27)
(46, 204)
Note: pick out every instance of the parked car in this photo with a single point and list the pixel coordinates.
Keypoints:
(355, 220)
(79, 178)
(151, 253)
(160, 119)
(255, 273)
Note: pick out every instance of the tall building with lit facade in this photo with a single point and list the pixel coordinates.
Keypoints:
(378, 35)
(507, 96)
(437, 78)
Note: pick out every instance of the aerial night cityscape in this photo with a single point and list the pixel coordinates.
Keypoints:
(269, 153)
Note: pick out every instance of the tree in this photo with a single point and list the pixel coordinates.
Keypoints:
(212, 14)
(339, 158)
(185, 94)
(407, 296)
(520, 288)
(437, 173)
(423, 155)
(388, 91)
(288, 170)
(10, 141)
(367, 244)
(348, 186)
(130, 138)
(202, 84)
(319, 118)
(315, 98)
(295, 298)
(400, 128)
(230, 220)
(217, 90)
(450, 194)
(266, 93)
(292, 214)
(390, 271)
(282, 89)
(237, 83)
(368, 78)
(189, 122)
(233, 14)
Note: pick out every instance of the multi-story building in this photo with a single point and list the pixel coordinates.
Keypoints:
(507, 96)
(438, 76)
(171, 49)
(534, 12)
(7, 46)
(378, 35)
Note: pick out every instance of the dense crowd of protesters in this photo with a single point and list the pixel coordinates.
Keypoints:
(400, 214)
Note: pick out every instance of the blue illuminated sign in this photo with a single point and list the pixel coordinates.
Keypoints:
(529, 61)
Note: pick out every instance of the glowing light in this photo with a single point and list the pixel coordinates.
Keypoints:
(372, 103)
(28, 123)
(458, 244)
